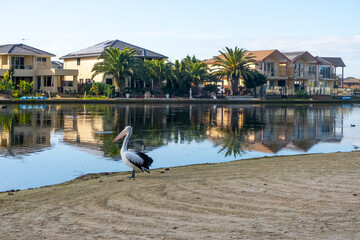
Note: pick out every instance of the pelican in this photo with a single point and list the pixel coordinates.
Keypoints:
(132, 158)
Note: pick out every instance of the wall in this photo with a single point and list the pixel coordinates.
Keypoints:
(86, 64)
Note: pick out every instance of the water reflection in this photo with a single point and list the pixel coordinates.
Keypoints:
(234, 128)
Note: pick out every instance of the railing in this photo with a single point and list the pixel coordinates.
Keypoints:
(304, 74)
(327, 76)
(22, 67)
(275, 73)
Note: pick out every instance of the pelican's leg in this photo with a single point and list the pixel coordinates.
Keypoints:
(133, 174)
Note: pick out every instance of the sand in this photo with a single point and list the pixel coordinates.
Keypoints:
(293, 197)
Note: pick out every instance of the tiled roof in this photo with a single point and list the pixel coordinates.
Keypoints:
(322, 61)
(97, 49)
(293, 56)
(352, 80)
(336, 61)
(259, 55)
(57, 64)
(22, 49)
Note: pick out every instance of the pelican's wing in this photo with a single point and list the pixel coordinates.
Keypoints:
(139, 159)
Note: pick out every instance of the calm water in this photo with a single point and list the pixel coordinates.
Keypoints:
(48, 144)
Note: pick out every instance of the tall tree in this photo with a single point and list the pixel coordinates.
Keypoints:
(159, 71)
(121, 65)
(254, 80)
(233, 64)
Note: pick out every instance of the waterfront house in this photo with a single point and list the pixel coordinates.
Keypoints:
(34, 65)
(275, 66)
(351, 83)
(302, 71)
(84, 60)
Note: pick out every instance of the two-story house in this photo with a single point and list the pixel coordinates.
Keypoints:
(275, 66)
(302, 70)
(34, 65)
(84, 60)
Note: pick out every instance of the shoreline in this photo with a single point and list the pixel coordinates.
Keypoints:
(177, 100)
(301, 196)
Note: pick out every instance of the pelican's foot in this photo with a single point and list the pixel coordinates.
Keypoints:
(132, 175)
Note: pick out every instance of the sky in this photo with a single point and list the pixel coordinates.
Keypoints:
(326, 28)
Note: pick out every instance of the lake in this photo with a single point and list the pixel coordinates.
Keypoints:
(48, 144)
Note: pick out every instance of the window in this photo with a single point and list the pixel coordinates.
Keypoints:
(109, 81)
(78, 61)
(261, 66)
(18, 62)
(325, 71)
(88, 81)
(269, 68)
(81, 81)
(47, 81)
(41, 62)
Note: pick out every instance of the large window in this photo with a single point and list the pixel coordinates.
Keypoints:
(47, 81)
(18, 62)
(269, 68)
(325, 71)
(299, 70)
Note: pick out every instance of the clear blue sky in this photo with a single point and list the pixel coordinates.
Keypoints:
(188, 27)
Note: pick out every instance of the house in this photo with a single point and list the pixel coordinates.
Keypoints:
(351, 83)
(289, 72)
(84, 60)
(303, 70)
(34, 65)
(274, 65)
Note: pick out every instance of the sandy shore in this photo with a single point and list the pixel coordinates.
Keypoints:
(295, 197)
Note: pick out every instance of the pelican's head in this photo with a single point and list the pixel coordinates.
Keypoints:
(127, 130)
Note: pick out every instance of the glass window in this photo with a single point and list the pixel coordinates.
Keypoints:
(78, 61)
(18, 62)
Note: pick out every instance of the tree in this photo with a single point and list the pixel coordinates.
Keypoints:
(121, 65)
(159, 71)
(233, 64)
(6, 84)
(25, 87)
(254, 80)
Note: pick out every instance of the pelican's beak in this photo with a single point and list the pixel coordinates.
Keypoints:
(122, 134)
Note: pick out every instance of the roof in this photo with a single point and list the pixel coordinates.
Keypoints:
(322, 61)
(96, 50)
(22, 49)
(352, 80)
(336, 61)
(259, 56)
(294, 56)
(57, 64)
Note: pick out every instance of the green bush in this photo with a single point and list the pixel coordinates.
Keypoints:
(210, 88)
(109, 91)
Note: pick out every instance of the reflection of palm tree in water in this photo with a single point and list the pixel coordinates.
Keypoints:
(236, 134)
(233, 143)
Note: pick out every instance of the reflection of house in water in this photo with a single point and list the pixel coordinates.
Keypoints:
(28, 131)
(272, 129)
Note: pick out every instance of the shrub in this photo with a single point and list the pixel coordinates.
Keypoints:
(109, 91)
(210, 88)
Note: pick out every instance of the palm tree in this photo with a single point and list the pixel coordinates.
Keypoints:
(255, 80)
(121, 65)
(159, 71)
(233, 64)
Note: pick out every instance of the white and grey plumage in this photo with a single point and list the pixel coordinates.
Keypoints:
(134, 159)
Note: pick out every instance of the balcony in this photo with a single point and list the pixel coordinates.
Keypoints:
(22, 67)
(331, 76)
(304, 74)
(276, 74)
